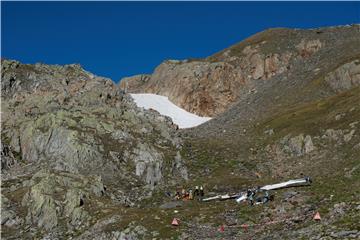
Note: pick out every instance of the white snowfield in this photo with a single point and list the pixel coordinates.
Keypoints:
(179, 116)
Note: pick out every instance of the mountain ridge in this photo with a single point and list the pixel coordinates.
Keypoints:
(211, 85)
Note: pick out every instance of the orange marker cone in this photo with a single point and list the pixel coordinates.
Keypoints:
(317, 216)
(175, 222)
(222, 228)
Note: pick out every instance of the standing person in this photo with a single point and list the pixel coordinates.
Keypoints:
(183, 193)
(177, 195)
(186, 194)
(191, 196)
(196, 192)
(201, 192)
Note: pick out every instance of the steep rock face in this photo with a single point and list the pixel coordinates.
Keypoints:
(147, 164)
(191, 85)
(209, 86)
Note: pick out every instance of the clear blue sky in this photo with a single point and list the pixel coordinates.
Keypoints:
(117, 39)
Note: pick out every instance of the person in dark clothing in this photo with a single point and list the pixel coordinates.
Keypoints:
(177, 195)
(202, 191)
(196, 192)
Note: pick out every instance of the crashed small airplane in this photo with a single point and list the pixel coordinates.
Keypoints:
(250, 193)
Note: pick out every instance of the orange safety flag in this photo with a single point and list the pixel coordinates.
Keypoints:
(175, 222)
(317, 216)
(222, 228)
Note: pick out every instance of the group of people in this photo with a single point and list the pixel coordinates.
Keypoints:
(190, 194)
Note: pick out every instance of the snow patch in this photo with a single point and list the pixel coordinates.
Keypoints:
(179, 116)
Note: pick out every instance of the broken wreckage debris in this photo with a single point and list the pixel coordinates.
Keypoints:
(250, 194)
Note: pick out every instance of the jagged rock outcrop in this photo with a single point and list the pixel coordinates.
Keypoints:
(209, 86)
(345, 77)
(293, 146)
(299, 145)
(46, 207)
(339, 136)
(307, 48)
(135, 83)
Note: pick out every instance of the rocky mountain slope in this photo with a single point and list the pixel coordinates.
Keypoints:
(318, 139)
(303, 122)
(72, 145)
(79, 160)
(207, 87)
